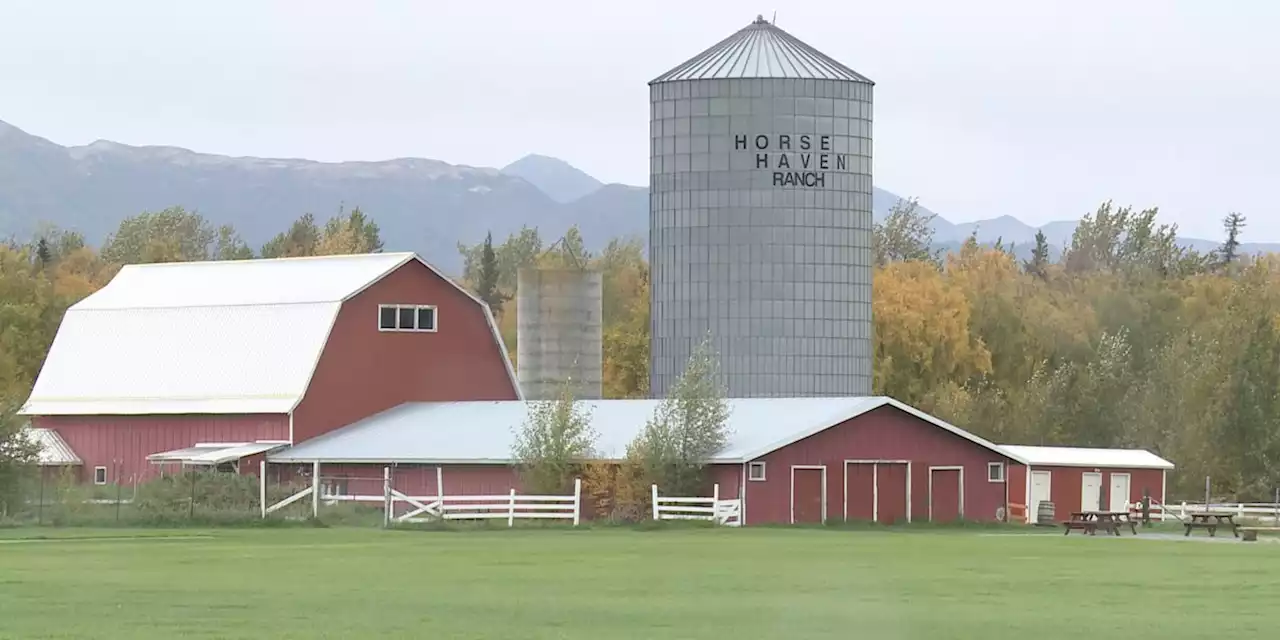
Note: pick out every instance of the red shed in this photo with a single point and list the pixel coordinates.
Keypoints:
(799, 459)
(1079, 479)
(170, 356)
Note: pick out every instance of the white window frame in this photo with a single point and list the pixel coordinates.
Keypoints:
(435, 313)
(96, 471)
(751, 471)
(996, 465)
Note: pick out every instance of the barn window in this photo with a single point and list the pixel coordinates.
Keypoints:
(99, 475)
(995, 471)
(406, 317)
(755, 471)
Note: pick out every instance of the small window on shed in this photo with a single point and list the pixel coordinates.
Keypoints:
(387, 317)
(426, 318)
(755, 472)
(995, 472)
(99, 475)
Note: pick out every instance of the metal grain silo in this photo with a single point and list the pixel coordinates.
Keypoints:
(760, 217)
(559, 332)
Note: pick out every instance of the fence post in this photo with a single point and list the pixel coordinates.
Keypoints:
(387, 502)
(577, 501)
(191, 514)
(655, 503)
(262, 486)
(315, 489)
(440, 488)
(715, 504)
(511, 510)
(1240, 509)
(40, 505)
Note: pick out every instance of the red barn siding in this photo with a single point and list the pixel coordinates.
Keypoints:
(1016, 481)
(883, 434)
(126, 441)
(729, 477)
(1065, 485)
(363, 371)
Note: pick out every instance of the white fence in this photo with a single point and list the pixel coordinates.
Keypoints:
(1267, 512)
(511, 506)
(713, 509)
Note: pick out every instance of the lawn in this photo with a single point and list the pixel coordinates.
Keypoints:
(749, 583)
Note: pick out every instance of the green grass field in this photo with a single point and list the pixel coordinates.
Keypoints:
(749, 583)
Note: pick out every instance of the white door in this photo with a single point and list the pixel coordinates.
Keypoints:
(1119, 491)
(1091, 492)
(1039, 491)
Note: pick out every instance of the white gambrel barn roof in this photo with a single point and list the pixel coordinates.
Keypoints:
(1084, 457)
(217, 337)
(482, 432)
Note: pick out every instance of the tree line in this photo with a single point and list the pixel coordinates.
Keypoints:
(1125, 339)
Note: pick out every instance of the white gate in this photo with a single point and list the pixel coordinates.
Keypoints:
(713, 509)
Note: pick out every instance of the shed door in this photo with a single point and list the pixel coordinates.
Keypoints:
(891, 493)
(1091, 492)
(946, 487)
(859, 491)
(1119, 491)
(1040, 481)
(808, 494)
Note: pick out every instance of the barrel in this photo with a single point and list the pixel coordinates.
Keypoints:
(1044, 513)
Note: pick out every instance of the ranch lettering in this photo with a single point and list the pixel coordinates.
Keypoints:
(796, 160)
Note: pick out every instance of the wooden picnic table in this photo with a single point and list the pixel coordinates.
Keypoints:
(1091, 521)
(1211, 520)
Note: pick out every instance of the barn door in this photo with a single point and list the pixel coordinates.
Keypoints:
(808, 495)
(1040, 483)
(891, 492)
(946, 494)
(859, 491)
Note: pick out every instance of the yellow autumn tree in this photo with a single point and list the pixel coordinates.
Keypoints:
(922, 334)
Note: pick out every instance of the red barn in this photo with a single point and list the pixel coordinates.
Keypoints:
(242, 357)
(793, 460)
(1080, 479)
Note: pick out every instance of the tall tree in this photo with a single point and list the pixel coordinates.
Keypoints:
(905, 234)
(1038, 265)
(349, 234)
(171, 235)
(1229, 252)
(302, 238)
(487, 279)
(554, 441)
(688, 427)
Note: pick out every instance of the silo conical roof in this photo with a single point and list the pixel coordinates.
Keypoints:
(761, 50)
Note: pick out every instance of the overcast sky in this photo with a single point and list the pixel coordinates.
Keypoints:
(1039, 110)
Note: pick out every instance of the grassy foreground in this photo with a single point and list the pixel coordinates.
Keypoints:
(761, 583)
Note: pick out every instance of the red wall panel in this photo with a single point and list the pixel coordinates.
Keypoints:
(122, 443)
(1065, 485)
(883, 434)
(808, 486)
(363, 371)
(1016, 480)
(944, 495)
(859, 488)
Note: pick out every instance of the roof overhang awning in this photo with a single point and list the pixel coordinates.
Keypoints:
(52, 450)
(212, 454)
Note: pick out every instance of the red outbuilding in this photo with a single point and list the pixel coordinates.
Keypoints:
(215, 362)
(789, 460)
(1075, 479)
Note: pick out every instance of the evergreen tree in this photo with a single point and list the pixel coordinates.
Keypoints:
(1038, 265)
(1229, 252)
(487, 279)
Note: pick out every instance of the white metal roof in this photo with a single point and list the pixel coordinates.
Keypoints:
(54, 451)
(206, 337)
(761, 50)
(1083, 457)
(483, 432)
(216, 453)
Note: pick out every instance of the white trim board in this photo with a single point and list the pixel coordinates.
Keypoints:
(960, 506)
(808, 467)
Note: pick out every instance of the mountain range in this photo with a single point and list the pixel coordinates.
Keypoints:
(419, 204)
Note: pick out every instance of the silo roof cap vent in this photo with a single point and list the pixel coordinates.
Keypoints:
(761, 50)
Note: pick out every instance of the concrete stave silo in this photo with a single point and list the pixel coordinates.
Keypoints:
(760, 217)
(559, 332)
